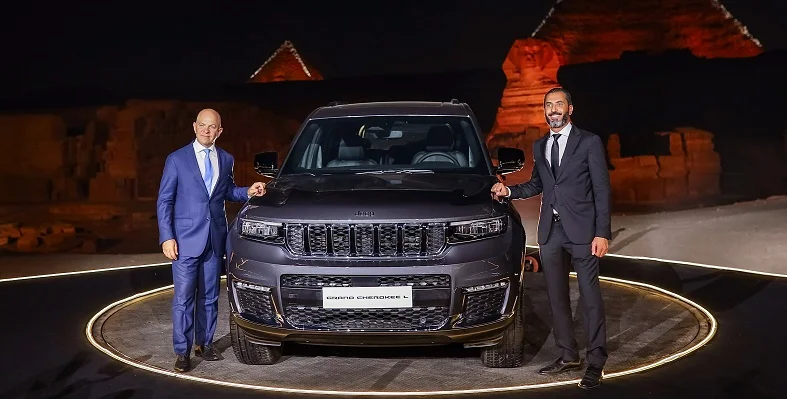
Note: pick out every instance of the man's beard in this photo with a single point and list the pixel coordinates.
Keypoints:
(554, 124)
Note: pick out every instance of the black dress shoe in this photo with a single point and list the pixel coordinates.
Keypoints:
(182, 363)
(592, 378)
(208, 352)
(560, 366)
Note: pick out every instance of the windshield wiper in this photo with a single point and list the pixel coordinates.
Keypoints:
(300, 174)
(406, 171)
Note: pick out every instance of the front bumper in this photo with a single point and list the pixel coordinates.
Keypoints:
(478, 336)
(280, 299)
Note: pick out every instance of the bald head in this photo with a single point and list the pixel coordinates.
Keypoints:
(207, 127)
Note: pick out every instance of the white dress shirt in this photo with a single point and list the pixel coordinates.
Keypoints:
(214, 161)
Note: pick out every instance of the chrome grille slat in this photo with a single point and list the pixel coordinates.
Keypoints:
(435, 237)
(295, 239)
(411, 239)
(387, 238)
(340, 238)
(319, 281)
(366, 239)
(318, 239)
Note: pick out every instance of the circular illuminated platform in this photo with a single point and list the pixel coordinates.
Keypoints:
(646, 327)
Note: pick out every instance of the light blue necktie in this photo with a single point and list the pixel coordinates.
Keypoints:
(208, 178)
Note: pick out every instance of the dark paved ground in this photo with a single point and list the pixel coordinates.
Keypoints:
(644, 326)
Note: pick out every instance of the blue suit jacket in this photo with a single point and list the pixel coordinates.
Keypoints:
(186, 212)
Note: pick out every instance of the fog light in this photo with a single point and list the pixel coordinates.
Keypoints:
(485, 287)
(253, 287)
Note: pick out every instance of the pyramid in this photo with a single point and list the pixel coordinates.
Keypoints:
(285, 64)
(596, 30)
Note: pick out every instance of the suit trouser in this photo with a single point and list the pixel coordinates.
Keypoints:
(195, 305)
(556, 274)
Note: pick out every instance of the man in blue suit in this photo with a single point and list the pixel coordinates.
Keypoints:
(192, 222)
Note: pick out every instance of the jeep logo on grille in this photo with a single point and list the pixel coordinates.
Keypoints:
(364, 213)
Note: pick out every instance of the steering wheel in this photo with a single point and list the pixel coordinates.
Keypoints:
(440, 154)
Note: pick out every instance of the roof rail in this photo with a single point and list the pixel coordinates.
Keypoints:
(454, 101)
(335, 103)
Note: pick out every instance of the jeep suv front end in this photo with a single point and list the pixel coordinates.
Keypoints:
(379, 230)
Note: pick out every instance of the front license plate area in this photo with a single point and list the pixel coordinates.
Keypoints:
(367, 297)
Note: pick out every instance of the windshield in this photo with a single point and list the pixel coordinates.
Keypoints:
(393, 144)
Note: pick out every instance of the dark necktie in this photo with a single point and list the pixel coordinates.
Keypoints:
(555, 157)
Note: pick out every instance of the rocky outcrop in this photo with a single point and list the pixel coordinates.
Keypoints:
(285, 64)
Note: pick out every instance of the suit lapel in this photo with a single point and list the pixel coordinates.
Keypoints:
(193, 164)
(571, 145)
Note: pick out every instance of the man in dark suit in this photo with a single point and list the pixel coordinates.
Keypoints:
(570, 173)
(192, 223)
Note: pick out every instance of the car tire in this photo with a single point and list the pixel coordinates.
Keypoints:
(511, 349)
(251, 353)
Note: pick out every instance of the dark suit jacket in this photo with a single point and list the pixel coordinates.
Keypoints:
(580, 192)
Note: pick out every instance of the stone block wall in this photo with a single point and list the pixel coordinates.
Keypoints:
(689, 175)
(32, 156)
(33, 144)
(118, 154)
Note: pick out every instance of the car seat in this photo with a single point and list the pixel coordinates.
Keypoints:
(440, 148)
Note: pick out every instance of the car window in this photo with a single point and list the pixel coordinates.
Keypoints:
(358, 144)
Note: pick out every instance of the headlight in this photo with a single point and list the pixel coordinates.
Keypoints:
(475, 229)
(261, 230)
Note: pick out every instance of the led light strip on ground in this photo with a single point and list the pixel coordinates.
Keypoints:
(75, 273)
(118, 356)
(686, 263)
(632, 257)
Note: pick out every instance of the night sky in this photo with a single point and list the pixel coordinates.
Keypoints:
(117, 44)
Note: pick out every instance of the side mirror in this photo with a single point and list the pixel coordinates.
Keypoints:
(265, 163)
(510, 160)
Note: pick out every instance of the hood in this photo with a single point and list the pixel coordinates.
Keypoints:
(374, 198)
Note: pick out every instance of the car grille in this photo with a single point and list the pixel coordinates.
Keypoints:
(318, 281)
(302, 303)
(255, 305)
(382, 239)
(412, 319)
(483, 307)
